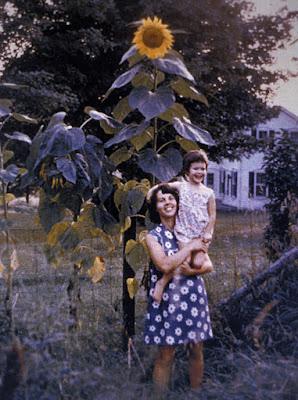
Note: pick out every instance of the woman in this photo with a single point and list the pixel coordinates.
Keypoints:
(182, 317)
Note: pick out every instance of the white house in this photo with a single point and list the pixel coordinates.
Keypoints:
(241, 184)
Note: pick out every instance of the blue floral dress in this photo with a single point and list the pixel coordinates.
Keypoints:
(183, 314)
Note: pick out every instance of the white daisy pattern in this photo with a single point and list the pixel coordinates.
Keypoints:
(184, 290)
(182, 316)
(169, 234)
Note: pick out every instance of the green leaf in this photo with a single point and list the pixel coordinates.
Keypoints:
(129, 53)
(8, 198)
(123, 79)
(21, 137)
(135, 254)
(132, 287)
(7, 155)
(163, 166)
(177, 110)
(56, 233)
(13, 85)
(121, 155)
(122, 109)
(97, 270)
(132, 202)
(102, 117)
(126, 133)
(151, 104)
(67, 169)
(184, 89)
(9, 174)
(147, 79)
(5, 105)
(49, 211)
(24, 118)
(173, 65)
(192, 132)
(104, 220)
(186, 145)
(141, 140)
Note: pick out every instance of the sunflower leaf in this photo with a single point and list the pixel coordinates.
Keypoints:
(141, 140)
(185, 144)
(122, 109)
(24, 118)
(177, 110)
(151, 104)
(21, 137)
(5, 105)
(67, 169)
(126, 133)
(129, 53)
(183, 88)
(123, 79)
(173, 65)
(193, 132)
(9, 174)
(163, 166)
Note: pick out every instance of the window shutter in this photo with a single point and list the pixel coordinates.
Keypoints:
(251, 184)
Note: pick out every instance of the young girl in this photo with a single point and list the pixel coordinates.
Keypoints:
(196, 214)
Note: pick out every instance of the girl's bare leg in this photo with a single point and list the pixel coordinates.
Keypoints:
(201, 261)
(164, 280)
(162, 368)
(161, 284)
(196, 365)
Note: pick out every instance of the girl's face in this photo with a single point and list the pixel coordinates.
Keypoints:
(166, 205)
(197, 172)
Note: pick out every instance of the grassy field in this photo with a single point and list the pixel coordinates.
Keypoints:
(90, 363)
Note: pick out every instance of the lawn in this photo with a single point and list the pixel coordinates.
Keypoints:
(90, 363)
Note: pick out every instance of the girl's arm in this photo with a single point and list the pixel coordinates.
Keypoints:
(211, 207)
(185, 269)
(167, 264)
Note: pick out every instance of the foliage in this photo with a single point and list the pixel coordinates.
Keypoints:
(281, 160)
(68, 54)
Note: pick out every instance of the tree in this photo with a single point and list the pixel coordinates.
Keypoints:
(71, 50)
(280, 162)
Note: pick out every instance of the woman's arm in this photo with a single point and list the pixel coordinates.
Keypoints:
(167, 264)
(211, 207)
(175, 185)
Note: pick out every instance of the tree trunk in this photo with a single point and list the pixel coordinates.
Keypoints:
(128, 304)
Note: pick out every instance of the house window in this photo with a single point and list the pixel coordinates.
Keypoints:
(222, 182)
(294, 136)
(260, 184)
(210, 180)
(271, 134)
(257, 184)
(234, 184)
(254, 132)
(229, 180)
(262, 135)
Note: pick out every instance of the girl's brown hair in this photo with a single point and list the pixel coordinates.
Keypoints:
(194, 156)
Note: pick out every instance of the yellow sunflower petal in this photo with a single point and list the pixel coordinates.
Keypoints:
(153, 38)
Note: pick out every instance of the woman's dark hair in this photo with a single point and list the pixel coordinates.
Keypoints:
(164, 188)
(194, 156)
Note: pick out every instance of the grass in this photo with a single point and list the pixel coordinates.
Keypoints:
(90, 363)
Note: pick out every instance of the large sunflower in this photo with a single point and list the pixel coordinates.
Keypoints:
(153, 38)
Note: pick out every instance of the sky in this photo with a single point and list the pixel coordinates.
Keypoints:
(286, 93)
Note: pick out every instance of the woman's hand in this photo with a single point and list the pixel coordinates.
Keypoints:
(198, 245)
(185, 269)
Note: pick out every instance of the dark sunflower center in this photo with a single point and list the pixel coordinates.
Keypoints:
(153, 38)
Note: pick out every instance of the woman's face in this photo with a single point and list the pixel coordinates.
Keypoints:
(166, 205)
